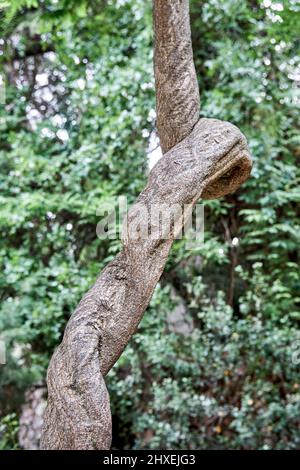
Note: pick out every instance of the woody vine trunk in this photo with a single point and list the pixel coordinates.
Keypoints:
(202, 158)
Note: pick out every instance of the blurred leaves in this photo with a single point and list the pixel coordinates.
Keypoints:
(79, 94)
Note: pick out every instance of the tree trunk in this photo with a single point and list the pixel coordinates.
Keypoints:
(203, 157)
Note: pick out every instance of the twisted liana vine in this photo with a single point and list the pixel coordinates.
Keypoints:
(202, 158)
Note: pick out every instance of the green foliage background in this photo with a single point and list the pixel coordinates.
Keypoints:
(234, 382)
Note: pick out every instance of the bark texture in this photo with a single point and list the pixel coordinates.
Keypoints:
(31, 418)
(177, 92)
(203, 157)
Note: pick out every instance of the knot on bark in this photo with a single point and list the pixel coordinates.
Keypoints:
(233, 165)
(213, 160)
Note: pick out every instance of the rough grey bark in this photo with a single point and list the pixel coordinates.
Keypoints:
(177, 92)
(31, 418)
(203, 157)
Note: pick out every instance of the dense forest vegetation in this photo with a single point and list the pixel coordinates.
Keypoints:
(215, 362)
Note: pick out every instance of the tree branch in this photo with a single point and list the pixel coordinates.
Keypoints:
(177, 92)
